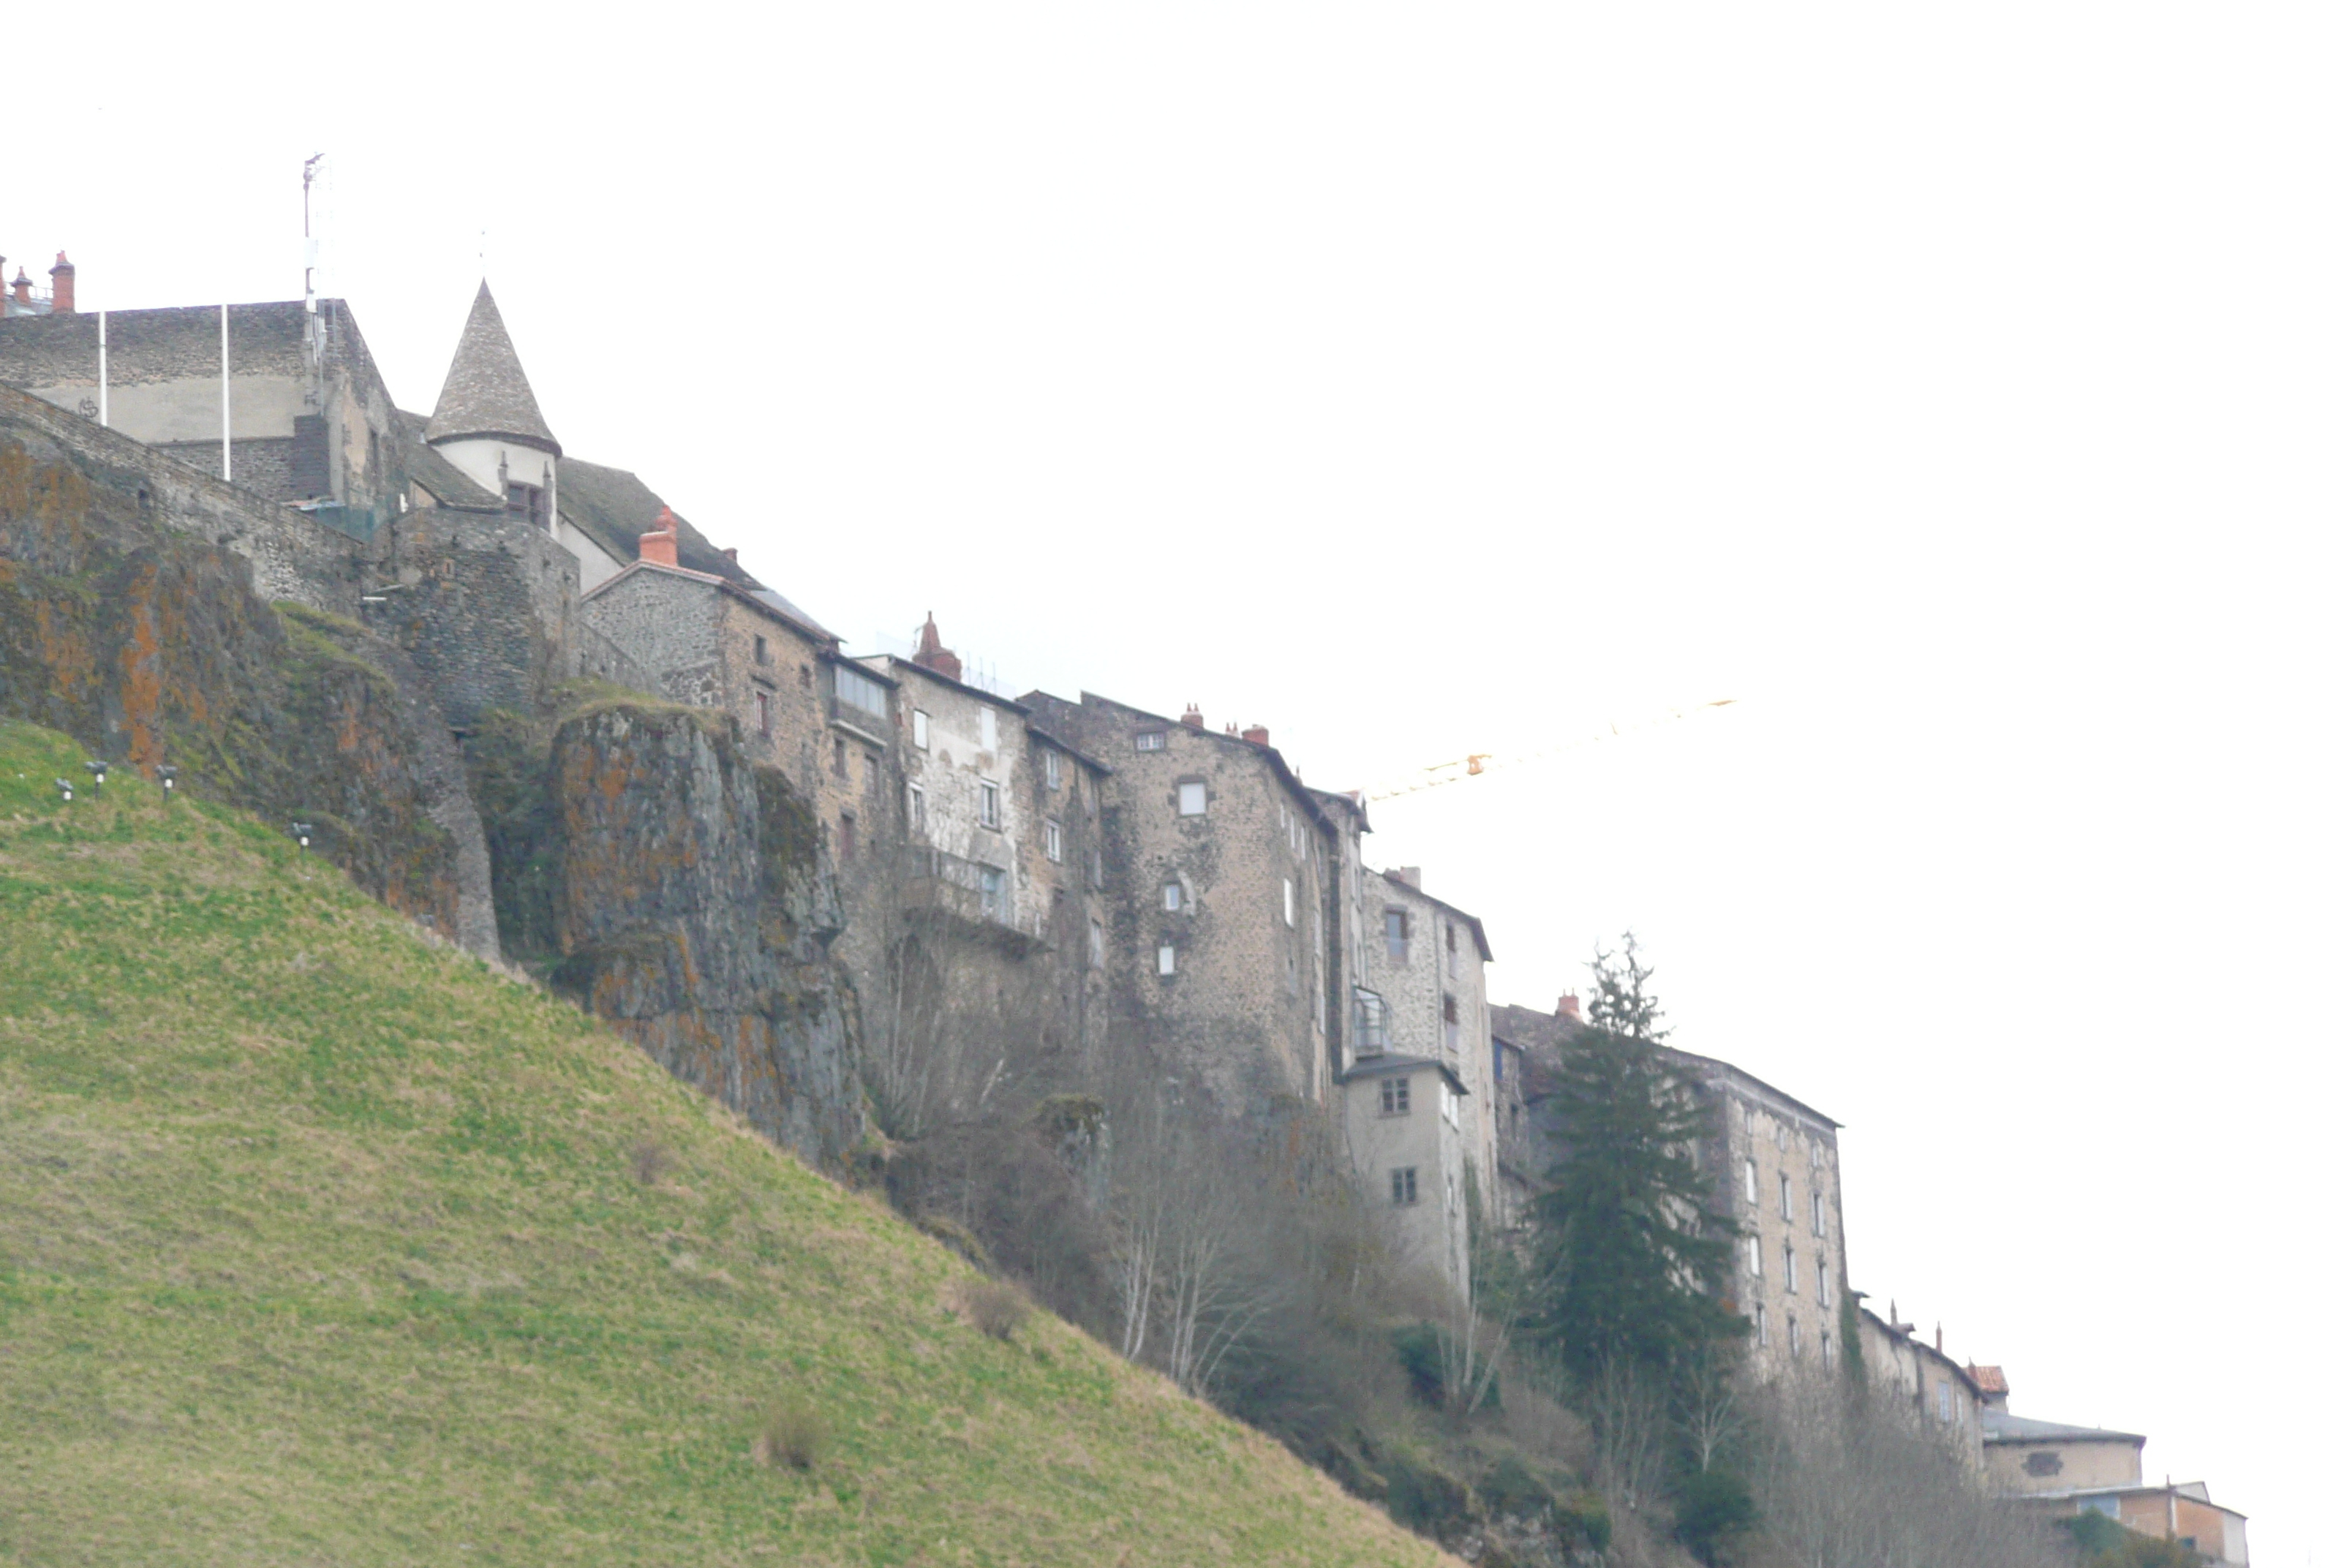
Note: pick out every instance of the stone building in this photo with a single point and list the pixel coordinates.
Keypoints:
(1772, 1163)
(1944, 1393)
(2062, 1470)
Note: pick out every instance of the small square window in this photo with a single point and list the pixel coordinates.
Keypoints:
(1192, 799)
(1054, 841)
(922, 731)
(1167, 958)
(1171, 897)
(991, 811)
(1152, 740)
(1396, 1096)
(1404, 1186)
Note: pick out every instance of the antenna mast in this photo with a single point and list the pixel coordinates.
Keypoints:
(316, 339)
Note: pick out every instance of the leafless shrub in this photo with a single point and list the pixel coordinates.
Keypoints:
(649, 1160)
(794, 1433)
(996, 1308)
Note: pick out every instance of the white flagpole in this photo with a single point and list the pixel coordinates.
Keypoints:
(101, 367)
(225, 470)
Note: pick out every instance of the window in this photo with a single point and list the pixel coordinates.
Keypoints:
(1821, 1280)
(1053, 770)
(2048, 1463)
(1053, 841)
(1756, 1256)
(991, 894)
(873, 774)
(840, 758)
(804, 678)
(922, 731)
(988, 729)
(1788, 1270)
(845, 838)
(1152, 740)
(1094, 868)
(1171, 897)
(1748, 1179)
(526, 500)
(1093, 944)
(1825, 1348)
(760, 702)
(1943, 1403)
(1821, 1217)
(1747, 1123)
(1192, 799)
(1763, 1331)
(1449, 948)
(1167, 958)
(992, 812)
(1372, 1021)
(1449, 1105)
(916, 816)
(759, 650)
(861, 691)
(1396, 1097)
(1788, 1203)
(1453, 1026)
(1794, 1342)
(1404, 1186)
(1394, 921)
(1289, 903)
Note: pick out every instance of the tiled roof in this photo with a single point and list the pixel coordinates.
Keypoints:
(1999, 1426)
(486, 393)
(1989, 1378)
(613, 507)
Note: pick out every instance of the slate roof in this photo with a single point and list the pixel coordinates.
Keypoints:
(1999, 1426)
(1393, 1066)
(613, 507)
(486, 393)
(791, 612)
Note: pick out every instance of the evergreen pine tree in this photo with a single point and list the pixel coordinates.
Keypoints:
(1633, 1257)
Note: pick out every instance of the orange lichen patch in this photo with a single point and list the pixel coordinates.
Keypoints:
(142, 681)
(64, 647)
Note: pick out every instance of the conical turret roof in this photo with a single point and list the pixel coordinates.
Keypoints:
(486, 393)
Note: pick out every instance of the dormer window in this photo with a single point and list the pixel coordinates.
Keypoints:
(528, 501)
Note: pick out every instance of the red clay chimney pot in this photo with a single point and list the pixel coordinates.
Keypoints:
(1256, 736)
(934, 655)
(660, 546)
(1192, 718)
(1570, 1007)
(61, 290)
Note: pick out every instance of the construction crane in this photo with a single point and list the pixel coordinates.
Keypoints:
(1478, 763)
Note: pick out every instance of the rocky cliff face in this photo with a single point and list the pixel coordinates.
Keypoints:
(124, 626)
(684, 895)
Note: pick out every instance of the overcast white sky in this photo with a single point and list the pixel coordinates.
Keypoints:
(1964, 390)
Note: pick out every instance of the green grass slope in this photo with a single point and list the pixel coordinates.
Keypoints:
(321, 1245)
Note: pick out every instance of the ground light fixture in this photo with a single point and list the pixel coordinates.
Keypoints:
(302, 834)
(64, 788)
(167, 775)
(98, 775)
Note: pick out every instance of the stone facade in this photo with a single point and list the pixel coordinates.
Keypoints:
(1944, 1395)
(1772, 1163)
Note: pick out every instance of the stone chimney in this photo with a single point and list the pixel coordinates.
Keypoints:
(1569, 1008)
(1256, 736)
(1409, 875)
(1193, 720)
(61, 298)
(729, 553)
(660, 546)
(931, 655)
(24, 291)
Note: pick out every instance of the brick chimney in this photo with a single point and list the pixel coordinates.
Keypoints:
(24, 289)
(660, 546)
(931, 655)
(1256, 736)
(61, 302)
(1193, 720)
(1569, 1008)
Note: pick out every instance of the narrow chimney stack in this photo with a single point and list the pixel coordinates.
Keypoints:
(24, 291)
(1409, 875)
(660, 546)
(1193, 720)
(935, 656)
(61, 291)
(1570, 1007)
(1256, 736)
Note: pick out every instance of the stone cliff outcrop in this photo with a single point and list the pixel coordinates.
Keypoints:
(129, 619)
(682, 893)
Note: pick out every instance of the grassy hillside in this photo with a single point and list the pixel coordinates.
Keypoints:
(318, 1243)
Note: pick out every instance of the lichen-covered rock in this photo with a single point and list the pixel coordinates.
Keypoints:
(693, 908)
(148, 645)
